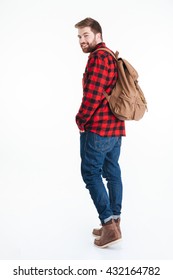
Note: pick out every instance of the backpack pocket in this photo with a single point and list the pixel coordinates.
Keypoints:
(122, 106)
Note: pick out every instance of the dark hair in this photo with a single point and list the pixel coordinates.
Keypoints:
(92, 23)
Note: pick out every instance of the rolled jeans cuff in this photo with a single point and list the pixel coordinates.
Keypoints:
(107, 219)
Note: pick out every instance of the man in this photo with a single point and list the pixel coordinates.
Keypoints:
(100, 133)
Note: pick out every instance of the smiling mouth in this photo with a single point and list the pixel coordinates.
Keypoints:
(83, 46)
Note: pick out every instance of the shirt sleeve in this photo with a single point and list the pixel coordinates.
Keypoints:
(94, 84)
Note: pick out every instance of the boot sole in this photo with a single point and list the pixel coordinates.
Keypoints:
(108, 244)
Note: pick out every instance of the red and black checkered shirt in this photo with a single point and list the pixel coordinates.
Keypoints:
(94, 113)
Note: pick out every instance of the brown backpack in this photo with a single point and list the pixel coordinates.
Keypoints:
(126, 101)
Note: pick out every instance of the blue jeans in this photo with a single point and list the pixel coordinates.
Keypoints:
(99, 159)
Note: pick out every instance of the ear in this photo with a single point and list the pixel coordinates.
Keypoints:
(98, 36)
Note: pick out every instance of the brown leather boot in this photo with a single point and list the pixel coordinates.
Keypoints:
(117, 222)
(98, 231)
(110, 235)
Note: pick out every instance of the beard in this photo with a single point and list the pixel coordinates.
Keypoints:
(89, 47)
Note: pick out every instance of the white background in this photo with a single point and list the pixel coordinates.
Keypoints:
(45, 210)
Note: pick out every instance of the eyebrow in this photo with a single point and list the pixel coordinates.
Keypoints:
(85, 33)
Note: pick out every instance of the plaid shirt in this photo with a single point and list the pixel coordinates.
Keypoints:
(94, 113)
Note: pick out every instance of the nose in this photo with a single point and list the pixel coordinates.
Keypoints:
(81, 40)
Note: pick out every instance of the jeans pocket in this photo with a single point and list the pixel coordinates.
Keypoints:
(102, 144)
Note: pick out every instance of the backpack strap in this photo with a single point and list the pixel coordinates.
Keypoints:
(115, 55)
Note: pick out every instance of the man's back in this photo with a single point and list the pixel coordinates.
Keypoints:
(94, 114)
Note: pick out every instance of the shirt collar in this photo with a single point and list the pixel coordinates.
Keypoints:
(100, 45)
